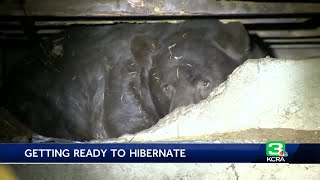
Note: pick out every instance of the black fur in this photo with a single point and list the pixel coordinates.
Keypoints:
(119, 79)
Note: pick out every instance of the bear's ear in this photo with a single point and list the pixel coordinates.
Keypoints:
(233, 39)
(142, 48)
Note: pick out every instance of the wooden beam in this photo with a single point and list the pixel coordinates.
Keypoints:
(266, 20)
(286, 33)
(292, 41)
(103, 22)
(120, 8)
(294, 46)
(41, 31)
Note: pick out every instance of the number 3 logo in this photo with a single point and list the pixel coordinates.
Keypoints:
(274, 148)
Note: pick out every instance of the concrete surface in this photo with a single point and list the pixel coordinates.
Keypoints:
(169, 171)
(266, 99)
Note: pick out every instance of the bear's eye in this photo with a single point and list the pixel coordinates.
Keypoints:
(166, 87)
(204, 83)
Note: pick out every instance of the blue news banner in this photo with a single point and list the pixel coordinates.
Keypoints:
(272, 152)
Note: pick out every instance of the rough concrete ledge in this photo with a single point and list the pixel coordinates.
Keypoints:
(170, 171)
(275, 95)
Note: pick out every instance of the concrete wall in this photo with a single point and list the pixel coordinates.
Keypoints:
(169, 171)
(266, 99)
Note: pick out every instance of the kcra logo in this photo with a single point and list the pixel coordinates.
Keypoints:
(276, 151)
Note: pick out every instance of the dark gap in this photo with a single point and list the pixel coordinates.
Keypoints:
(3, 65)
(12, 43)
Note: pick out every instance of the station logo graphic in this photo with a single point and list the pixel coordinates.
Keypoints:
(276, 151)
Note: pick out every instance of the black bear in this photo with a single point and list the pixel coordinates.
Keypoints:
(122, 78)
